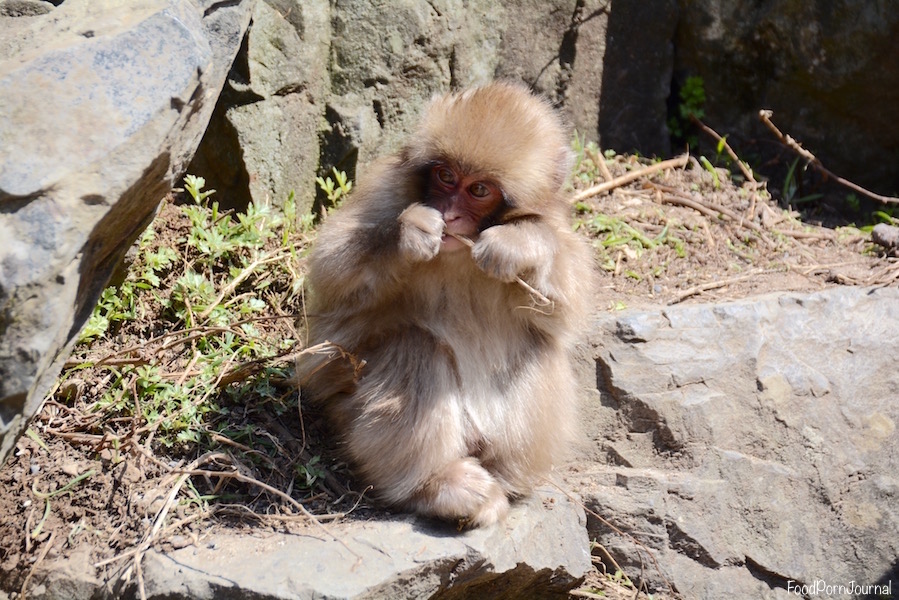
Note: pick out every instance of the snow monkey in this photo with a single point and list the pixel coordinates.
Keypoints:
(452, 284)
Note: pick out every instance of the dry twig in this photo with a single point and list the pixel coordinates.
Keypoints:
(711, 210)
(229, 289)
(539, 299)
(673, 163)
(190, 334)
(713, 285)
(40, 557)
(765, 117)
(600, 161)
(747, 172)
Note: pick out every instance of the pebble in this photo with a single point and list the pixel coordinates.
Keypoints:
(179, 541)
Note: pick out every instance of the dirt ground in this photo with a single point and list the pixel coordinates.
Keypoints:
(99, 490)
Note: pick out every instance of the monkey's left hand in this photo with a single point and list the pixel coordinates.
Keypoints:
(505, 252)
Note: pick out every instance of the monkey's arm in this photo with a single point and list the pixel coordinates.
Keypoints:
(523, 248)
(546, 256)
(365, 248)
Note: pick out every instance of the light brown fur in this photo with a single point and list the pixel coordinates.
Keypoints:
(467, 395)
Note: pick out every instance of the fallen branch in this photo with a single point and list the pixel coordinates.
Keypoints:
(23, 592)
(806, 235)
(747, 172)
(672, 163)
(600, 161)
(713, 211)
(190, 334)
(713, 285)
(765, 117)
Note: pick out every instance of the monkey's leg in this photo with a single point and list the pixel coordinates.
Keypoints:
(538, 407)
(419, 460)
(410, 436)
(416, 456)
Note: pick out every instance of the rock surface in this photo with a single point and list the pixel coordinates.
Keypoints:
(104, 104)
(541, 551)
(753, 445)
(262, 141)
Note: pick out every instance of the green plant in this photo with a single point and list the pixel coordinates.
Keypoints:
(335, 189)
(612, 232)
(716, 181)
(690, 108)
(885, 215)
(198, 317)
(122, 303)
(48, 496)
(311, 472)
(791, 187)
(194, 186)
(586, 160)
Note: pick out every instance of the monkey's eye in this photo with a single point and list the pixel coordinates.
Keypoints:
(479, 190)
(445, 175)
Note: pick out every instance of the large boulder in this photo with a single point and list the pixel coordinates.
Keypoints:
(752, 446)
(103, 104)
(262, 141)
(540, 551)
(321, 84)
(636, 77)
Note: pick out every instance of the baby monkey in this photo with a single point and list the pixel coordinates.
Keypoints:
(452, 279)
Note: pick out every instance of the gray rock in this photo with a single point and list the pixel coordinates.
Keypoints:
(103, 105)
(886, 236)
(262, 141)
(753, 444)
(540, 551)
(587, 68)
(24, 8)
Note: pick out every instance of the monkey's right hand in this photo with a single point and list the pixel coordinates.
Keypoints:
(421, 231)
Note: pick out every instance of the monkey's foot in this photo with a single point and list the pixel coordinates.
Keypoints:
(463, 491)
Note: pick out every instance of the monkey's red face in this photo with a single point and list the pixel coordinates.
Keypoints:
(464, 200)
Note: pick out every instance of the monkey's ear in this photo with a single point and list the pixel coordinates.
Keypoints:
(413, 158)
(564, 164)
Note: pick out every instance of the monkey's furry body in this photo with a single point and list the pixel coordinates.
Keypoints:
(466, 394)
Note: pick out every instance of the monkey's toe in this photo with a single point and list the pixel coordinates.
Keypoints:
(491, 511)
(464, 491)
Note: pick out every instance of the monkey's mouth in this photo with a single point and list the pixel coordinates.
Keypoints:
(457, 236)
(449, 243)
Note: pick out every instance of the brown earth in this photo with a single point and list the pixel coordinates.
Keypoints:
(90, 490)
